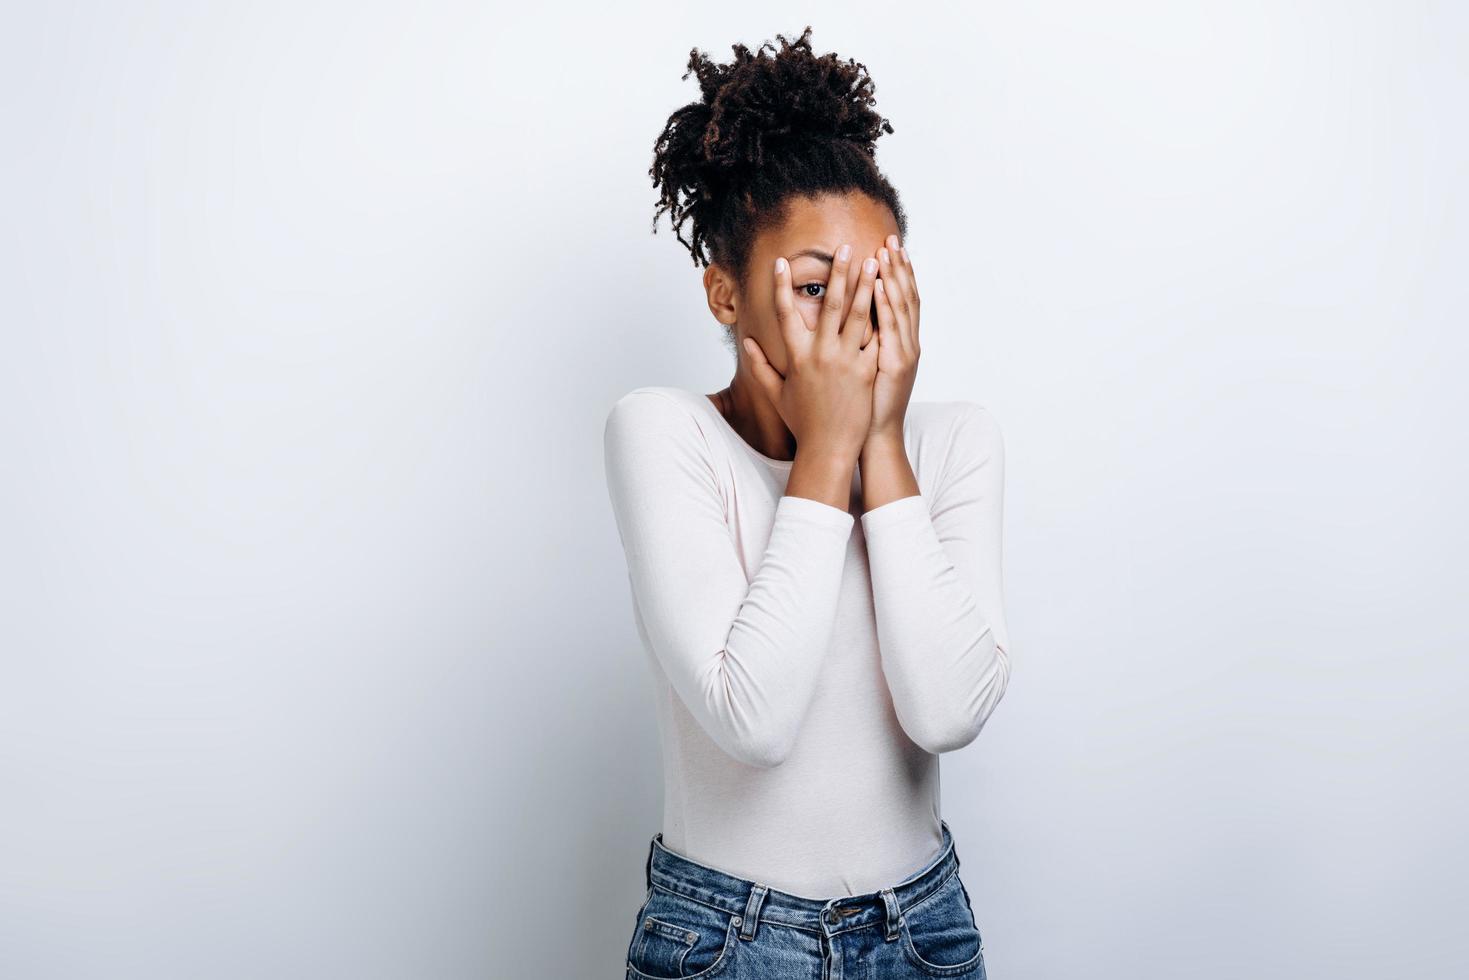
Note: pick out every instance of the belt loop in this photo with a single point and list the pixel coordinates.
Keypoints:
(890, 899)
(752, 911)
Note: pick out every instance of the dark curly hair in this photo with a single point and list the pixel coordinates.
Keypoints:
(767, 128)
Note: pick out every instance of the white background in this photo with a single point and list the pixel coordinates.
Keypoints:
(316, 650)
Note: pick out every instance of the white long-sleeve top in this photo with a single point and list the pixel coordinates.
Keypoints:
(809, 666)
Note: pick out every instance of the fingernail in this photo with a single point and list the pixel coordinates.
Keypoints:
(905, 254)
(869, 265)
(882, 253)
(844, 253)
(780, 264)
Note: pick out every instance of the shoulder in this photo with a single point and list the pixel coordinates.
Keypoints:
(653, 417)
(649, 402)
(965, 444)
(952, 441)
(955, 424)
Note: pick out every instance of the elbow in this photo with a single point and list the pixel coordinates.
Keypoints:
(753, 728)
(755, 731)
(955, 723)
(762, 749)
(945, 734)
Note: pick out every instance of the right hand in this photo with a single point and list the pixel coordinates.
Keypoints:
(825, 396)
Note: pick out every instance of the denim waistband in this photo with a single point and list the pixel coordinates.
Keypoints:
(752, 902)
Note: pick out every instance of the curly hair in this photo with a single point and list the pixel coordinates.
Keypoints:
(767, 128)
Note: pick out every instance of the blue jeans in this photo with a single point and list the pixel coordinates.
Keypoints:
(698, 922)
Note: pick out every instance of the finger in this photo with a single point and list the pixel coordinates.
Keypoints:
(790, 323)
(892, 286)
(869, 355)
(913, 298)
(905, 283)
(902, 264)
(908, 265)
(854, 330)
(886, 325)
(766, 376)
(829, 323)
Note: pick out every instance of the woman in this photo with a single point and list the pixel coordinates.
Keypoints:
(814, 562)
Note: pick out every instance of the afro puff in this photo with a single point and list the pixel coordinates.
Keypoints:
(767, 127)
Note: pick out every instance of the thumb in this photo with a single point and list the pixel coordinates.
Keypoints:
(766, 376)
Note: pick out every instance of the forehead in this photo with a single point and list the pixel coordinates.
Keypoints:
(827, 221)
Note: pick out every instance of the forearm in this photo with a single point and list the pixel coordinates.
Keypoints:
(741, 642)
(939, 650)
(754, 694)
(934, 566)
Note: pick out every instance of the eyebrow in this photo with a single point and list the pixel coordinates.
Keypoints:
(814, 253)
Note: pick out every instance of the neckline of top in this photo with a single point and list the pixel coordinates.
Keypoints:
(734, 433)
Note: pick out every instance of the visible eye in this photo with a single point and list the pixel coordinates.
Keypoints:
(812, 285)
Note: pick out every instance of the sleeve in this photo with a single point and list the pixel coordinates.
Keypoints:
(937, 591)
(742, 653)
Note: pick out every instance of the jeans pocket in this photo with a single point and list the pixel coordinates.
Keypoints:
(940, 935)
(678, 938)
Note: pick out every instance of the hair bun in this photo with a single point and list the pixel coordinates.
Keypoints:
(772, 97)
(772, 123)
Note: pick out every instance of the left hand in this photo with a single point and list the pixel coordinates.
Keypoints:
(896, 296)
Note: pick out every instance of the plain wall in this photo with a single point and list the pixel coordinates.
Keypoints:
(316, 649)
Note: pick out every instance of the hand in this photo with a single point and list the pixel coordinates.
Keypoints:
(896, 296)
(825, 396)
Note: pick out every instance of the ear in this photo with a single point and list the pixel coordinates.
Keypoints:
(719, 287)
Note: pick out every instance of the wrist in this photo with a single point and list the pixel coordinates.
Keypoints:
(880, 443)
(827, 459)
